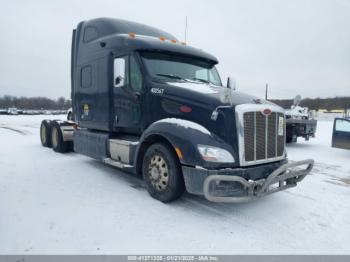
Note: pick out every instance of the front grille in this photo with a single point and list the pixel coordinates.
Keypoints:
(261, 140)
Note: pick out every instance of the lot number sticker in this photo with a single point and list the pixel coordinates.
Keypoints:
(280, 125)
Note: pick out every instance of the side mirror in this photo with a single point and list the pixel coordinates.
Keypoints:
(231, 83)
(118, 81)
(119, 72)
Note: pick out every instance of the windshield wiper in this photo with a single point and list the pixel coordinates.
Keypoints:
(201, 80)
(171, 76)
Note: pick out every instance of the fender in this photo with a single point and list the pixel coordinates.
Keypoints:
(185, 135)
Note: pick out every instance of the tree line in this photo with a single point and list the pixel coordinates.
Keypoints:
(63, 104)
(35, 103)
(317, 103)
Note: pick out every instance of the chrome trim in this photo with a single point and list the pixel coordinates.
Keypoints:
(67, 133)
(266, 129)
(276, 137)
(114, 163)
(254, 135)
(120, 150)
(239, 112)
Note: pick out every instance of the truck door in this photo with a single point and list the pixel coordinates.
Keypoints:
(127, 99)
(341, 133)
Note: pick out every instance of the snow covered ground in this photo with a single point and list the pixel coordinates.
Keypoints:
(69, 204)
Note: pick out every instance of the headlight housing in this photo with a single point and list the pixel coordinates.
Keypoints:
(215, 154)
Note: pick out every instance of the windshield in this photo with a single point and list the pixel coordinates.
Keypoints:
(179, 67)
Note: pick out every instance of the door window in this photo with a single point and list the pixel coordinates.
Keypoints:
(127, 71)
(135, 75)
(342, 125)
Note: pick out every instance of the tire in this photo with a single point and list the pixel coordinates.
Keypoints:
(162, 173)
(58, 144)
(45, 133)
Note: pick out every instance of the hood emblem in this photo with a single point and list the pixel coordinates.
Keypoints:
(266, 112)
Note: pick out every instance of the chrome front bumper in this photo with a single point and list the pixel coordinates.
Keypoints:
(284, 177)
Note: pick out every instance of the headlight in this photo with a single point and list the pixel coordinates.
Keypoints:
(215, 154)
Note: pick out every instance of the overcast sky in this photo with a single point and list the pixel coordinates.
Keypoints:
(297, 46)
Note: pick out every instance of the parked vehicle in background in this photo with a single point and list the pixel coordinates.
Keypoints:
(151, 105)
(299, 122)
(341, 133)
(12, 111)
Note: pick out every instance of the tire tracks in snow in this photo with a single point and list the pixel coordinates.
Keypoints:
(22, 132)
(332, 173)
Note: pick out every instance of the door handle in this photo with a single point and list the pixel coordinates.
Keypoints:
(137, 95)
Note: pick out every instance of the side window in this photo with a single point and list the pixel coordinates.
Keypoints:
(90, 33)
(135, 75)
(342, 125)
(121, 75)
(211, 77)
(86, 77)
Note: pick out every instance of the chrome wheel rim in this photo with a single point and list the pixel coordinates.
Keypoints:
(158, 173)
(43, 133)
(54, 137)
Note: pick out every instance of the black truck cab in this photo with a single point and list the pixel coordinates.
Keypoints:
(148, 103)
(116, 64)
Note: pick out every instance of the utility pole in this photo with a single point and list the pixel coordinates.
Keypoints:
(266, 90)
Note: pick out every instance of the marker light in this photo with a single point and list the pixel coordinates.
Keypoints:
(174, 41)
(215, 154)
(162, 38)
(185, 109)
(178, 152)
(132, 35)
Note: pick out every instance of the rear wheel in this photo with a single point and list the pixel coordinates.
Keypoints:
(45, 133)
(58, 144)
(162, 173)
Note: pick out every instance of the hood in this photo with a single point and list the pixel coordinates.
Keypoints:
(209, 94)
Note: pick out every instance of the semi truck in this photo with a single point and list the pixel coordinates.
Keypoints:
(149, 104)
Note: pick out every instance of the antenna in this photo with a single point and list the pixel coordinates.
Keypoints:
(266, 89)
(186, 29)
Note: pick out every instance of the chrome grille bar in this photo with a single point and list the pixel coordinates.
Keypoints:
(254, 136)
(276, 140)
(266, 134)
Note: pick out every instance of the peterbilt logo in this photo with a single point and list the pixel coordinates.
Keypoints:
(266, 112)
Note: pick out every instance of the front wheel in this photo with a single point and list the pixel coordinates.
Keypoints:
(162, 173)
